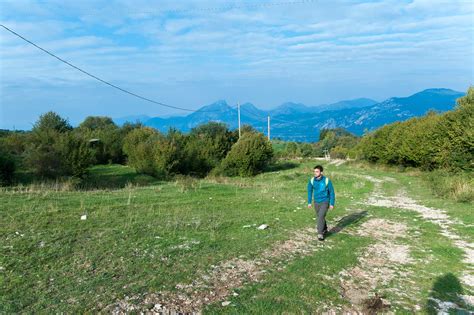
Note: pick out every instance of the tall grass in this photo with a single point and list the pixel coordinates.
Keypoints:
(457, 186)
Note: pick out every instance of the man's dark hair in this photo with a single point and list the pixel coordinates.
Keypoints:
(319, 167)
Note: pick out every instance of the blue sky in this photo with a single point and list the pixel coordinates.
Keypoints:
(192, 53)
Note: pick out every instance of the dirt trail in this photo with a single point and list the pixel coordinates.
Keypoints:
(377, 266)
(218, 282)
(437, 216)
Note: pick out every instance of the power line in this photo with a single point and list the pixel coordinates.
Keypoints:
(101, 80)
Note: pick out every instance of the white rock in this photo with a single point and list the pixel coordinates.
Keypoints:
(246, 226)
(225, 303)
(84, 217)
(263, 227)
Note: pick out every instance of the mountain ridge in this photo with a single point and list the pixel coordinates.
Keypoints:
(299, 122)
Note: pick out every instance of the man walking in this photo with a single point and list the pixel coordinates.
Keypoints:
(320, 187)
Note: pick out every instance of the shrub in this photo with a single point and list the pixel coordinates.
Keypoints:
(110, 137)
(138, 146)
(248, 156)
(75, 155)
(457, 186)
(53, 154)
(429, 142)
(51, 121)
(7, 167)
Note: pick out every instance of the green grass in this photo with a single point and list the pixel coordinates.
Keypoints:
(130, 243)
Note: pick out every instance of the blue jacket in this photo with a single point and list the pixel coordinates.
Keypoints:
(320, 191)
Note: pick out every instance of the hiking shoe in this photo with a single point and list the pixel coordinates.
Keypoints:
(320, 237)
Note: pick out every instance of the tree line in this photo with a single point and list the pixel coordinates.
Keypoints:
(54, 149)
(433, 141)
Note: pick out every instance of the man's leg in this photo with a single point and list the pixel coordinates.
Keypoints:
(322, 210)
(315, 207)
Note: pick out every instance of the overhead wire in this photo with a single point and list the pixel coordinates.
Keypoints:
(102, 80)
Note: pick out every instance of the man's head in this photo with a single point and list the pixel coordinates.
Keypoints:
(318, 171)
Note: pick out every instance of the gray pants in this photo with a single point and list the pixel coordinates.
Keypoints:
(321, 210)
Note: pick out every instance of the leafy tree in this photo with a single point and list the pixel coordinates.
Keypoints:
(97, 122)
(7, 166)
(51, 121)
(248, 156)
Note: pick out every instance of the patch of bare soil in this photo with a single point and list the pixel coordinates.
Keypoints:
(437, 216)
(218, 283)
(377, 266)
(337, 162)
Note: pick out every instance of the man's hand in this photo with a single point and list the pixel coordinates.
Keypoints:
(331, 207)
(309, 205)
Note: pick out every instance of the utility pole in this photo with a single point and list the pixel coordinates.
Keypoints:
(238, 109)
(268, 127)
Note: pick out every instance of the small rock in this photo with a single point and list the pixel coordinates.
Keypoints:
(84, 217)
(263, 227)
(225, 303)
(246, 226)
(235, 294)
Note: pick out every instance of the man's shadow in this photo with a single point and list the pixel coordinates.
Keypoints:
(346, 221)
(447, 289)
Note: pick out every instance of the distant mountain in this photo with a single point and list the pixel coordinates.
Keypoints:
(298, 122)
(289, 108)
(357, 120)
(356, 103)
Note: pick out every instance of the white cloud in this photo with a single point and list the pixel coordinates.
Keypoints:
(141, 42)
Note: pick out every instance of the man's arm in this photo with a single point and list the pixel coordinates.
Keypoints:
(332, 195)
(310, 193)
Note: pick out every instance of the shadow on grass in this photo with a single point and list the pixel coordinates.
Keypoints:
(445, 296)
(114, 177)
(280, 166)
(346, 221)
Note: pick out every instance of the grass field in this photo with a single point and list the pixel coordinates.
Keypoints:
(193, 245)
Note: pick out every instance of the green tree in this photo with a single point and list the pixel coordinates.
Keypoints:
(248, 156)
(51, 121)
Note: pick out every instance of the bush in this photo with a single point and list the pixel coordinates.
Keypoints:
(52, 154)
(53, 150)
(153, 153)
(75, 155)
(7, 167)
(52, 121)
(138, 146)
(429, 142)
(248, 156)
(339, 152)
(108, 148)
(206, 146)
(456, 186)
